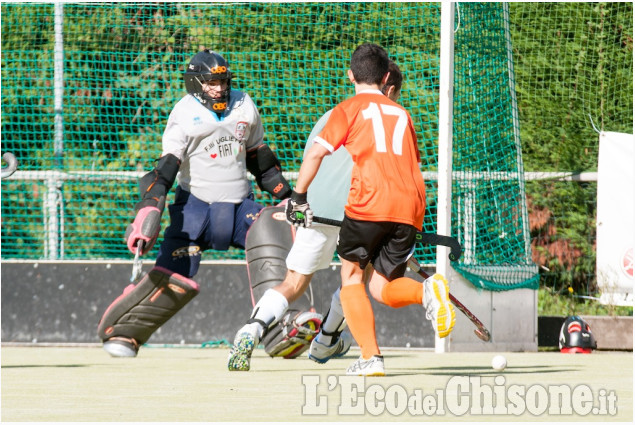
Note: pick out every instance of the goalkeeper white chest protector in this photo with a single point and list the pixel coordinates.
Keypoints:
(212, 149)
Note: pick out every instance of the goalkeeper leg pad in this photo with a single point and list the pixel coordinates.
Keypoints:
(267, 245)
(144, 307)
(292, 335)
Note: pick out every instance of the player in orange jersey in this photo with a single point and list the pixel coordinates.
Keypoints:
(384, 210)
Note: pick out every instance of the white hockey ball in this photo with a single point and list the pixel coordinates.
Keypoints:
(499, 363)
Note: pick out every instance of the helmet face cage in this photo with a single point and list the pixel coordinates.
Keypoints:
(206, 66)
(576, 336)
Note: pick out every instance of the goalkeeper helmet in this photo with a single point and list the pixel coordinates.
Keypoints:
(576, 336)
(208, 65)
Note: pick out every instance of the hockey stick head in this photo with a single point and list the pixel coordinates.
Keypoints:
(435, 239)
(12, 165)
(455, 250)
(483, 334)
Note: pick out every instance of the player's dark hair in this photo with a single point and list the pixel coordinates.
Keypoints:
(395, 78)
(369, 64)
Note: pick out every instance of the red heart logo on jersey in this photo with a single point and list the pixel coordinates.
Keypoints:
(214, 155)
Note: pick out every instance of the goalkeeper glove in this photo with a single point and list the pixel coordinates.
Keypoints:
(146, 225)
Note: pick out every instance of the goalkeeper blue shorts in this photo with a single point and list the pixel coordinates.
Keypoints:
(196, 226)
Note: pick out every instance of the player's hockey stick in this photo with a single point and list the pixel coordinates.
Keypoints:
(435, 239)
(426, 238)
(329, 221)
(480, 331)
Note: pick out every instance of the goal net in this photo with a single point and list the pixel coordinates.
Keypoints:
(87, 89)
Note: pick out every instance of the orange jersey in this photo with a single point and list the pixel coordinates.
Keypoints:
(386, 182)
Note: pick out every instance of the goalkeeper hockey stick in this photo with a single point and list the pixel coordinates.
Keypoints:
(426, 238)
(137, 264)
(480, 331)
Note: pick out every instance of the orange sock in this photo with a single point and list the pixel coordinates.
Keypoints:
(401, 292)
(360, 318)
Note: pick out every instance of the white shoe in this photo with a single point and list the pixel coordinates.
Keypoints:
(436, 301)
(244, 343)
(121, 347)
(372, 367)
(322, 353)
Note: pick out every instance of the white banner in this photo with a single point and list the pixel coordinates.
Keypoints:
(616, 218)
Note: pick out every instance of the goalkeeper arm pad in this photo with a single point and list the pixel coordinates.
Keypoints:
(154, 187)
(264, 165)
(158, 182)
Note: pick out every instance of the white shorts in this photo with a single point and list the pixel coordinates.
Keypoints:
(313, 248)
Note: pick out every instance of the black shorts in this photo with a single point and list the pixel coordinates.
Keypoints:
(386, 245)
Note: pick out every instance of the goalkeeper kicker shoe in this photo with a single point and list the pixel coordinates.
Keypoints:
(436, 301)
(244, 343)
(292, 335)
(371, 367)
(120, 346)
(322, 353)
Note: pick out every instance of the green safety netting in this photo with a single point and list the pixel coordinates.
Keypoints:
(85, 127)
